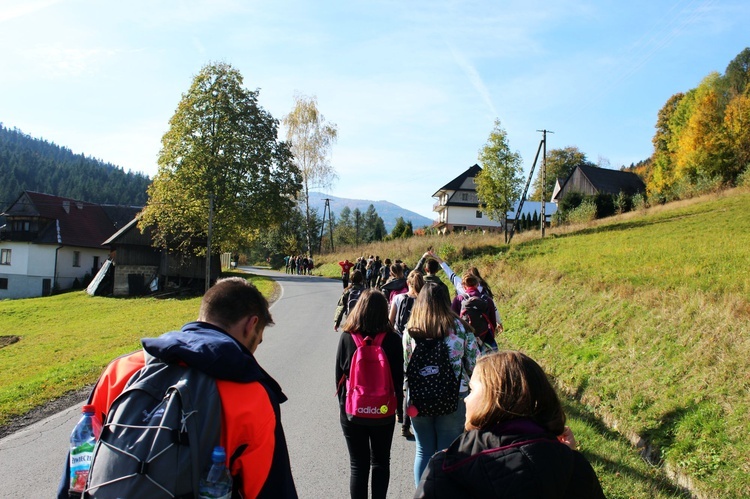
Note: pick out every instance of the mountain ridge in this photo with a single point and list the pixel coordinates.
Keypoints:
(388, 211)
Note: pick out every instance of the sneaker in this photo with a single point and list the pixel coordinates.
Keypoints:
(406, 433)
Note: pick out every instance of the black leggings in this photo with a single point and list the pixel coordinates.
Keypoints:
(368, 446)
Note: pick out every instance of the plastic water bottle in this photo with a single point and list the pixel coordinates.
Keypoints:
(217, 483)
(82, 442)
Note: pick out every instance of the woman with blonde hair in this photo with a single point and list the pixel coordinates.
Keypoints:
(435, 333)
(400, 311)
(516, 443)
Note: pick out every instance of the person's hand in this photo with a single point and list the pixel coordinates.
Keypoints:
(434, 255)
(336, 329)
(568, 438)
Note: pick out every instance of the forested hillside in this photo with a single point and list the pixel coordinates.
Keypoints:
(33, 164)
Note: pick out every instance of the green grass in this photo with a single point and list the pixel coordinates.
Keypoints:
(644, 321)
(66, 340)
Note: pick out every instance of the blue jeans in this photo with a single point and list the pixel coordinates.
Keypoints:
(435, 433)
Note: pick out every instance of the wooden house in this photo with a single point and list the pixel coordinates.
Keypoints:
(138, 267)
(591, 180)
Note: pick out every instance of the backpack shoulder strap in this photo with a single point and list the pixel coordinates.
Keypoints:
(378, 339)
(358, 339)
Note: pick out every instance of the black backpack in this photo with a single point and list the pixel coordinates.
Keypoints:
(159, 434)
(403, 312)
(433, 385)
(475, 311)
(354, 294)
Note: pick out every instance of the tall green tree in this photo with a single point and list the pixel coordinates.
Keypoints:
(311, 139)
(358, 224)
(374, 227)
(402, 229)
(661, 174)
(737, 73)
(221, 166)
(343, 234)
(560, 164)
(499, 183)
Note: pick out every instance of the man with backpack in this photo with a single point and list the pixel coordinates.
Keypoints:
(348, 299)
(429, 267)
(201, 387)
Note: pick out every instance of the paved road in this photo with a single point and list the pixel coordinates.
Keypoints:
(299, 352)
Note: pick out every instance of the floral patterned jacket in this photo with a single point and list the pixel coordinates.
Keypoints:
(463, 349)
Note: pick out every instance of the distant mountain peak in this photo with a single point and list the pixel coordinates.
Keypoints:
(388, 211)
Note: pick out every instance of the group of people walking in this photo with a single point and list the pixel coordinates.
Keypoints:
(300, 264)
(487, 423)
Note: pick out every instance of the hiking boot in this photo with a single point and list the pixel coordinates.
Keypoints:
(406, 433)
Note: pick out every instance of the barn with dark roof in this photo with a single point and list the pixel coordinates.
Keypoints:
(591, 180)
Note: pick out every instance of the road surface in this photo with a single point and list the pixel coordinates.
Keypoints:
(299, 351)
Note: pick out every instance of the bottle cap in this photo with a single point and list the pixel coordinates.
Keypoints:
(219, 455)
(89, 408)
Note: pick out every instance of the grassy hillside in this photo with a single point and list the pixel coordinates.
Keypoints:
(644, 319)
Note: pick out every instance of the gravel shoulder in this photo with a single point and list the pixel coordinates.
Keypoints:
(44, 411)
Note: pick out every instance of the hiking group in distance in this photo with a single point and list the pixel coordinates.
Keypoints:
(487, 423)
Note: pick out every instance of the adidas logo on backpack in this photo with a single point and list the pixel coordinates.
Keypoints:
(369, 389)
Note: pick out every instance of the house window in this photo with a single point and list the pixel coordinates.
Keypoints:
(464, 196)
(3, 283)
(479, 214)
(76, 258)
(5, 257)
(21, 226)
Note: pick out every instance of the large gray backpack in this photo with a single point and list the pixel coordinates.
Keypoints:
(158, 436)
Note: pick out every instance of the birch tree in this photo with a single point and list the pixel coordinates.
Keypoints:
(311, 139)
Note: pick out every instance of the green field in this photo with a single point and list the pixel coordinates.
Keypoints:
(66, 340)
(643, 320)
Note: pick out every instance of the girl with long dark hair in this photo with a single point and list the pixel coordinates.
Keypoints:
(368, 440)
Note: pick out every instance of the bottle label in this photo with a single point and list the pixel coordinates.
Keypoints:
(80, 464)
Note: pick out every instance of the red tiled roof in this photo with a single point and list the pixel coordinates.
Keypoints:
(70, 222)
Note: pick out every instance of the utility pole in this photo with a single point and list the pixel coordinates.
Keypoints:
(544, 178)
(208, 245)
(327, 208)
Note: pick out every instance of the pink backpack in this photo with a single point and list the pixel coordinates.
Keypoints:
(369, 389)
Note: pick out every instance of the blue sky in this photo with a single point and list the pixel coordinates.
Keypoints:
(414, 87)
